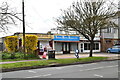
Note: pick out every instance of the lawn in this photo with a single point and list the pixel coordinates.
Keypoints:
(49, 62)
(6, 60)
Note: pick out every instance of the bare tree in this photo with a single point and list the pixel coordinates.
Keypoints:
(87, 18)
(7, 16)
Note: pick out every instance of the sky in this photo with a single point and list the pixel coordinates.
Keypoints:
(39, 14)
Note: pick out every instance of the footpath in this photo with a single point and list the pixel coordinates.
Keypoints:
(112, 56)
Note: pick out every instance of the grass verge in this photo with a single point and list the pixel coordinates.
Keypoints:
(6, 60)
(48, 62)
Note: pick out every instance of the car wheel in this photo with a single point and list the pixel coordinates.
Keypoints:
(108, 51)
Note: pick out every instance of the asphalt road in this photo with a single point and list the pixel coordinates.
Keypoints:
(108, 69)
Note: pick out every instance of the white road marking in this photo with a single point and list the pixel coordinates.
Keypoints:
(59, 67)
(34, 76)
(32, 71)
(47, 75)
(92, 69)
(98, 68)
(98, 75)
(39, 76)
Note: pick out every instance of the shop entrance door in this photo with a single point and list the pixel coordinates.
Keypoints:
(66, 48)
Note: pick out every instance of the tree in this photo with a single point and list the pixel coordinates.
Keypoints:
(87, 18)
(7, 16)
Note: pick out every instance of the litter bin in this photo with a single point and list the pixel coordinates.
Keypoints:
(51, 54)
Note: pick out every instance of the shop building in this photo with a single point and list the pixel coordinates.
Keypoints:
(44, 39)
(85, 44)
(65, 44)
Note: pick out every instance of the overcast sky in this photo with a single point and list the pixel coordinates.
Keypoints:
(39, 14)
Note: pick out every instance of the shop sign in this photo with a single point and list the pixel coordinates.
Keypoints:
(66, 38)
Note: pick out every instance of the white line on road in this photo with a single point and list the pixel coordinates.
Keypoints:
(99, 68)
(59, 67)
(98, 75)
(92, 69)
(31, 71)
(47, 75)
(39, 76)
(34, 76)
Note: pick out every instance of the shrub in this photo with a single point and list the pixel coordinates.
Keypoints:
(30, 43)
(17, 55)
(11, 43)
(5, 55)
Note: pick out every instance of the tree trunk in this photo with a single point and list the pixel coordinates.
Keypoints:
(91, 48)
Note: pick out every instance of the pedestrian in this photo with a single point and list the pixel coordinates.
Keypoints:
(44, 53)
(77, 53)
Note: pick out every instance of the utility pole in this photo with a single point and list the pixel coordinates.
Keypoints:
(23, 28)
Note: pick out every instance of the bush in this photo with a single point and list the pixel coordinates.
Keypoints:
(11, 43)
(31, 43)
(17, 55)
(31, 56)
(5, 55)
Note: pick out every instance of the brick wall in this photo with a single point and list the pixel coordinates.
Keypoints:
(108, 43)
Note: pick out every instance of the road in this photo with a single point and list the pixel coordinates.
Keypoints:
(107, 69)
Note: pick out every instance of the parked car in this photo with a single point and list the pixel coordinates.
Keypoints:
(114, 49)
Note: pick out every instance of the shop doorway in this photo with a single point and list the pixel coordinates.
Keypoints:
(66, 48)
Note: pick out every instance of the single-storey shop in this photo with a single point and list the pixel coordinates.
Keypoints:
(65, 44)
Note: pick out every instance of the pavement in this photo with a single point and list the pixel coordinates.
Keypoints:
(62, 56)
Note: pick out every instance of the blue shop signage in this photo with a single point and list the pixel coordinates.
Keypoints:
(66, 38)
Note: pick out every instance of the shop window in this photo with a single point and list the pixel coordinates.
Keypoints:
(96, 45)
(109, 30)
(116, 42)
(87, 46)
(81, 45)
(108, 41)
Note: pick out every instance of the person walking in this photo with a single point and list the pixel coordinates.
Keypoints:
(44, 53)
